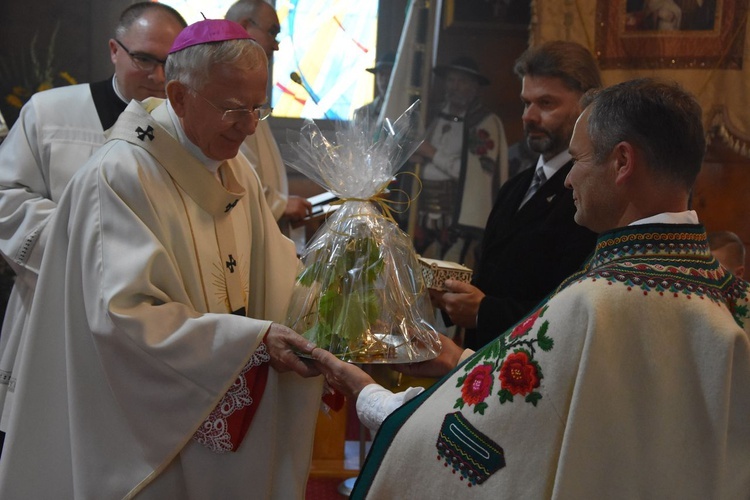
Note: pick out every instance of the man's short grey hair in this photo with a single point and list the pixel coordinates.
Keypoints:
(244, 9)
(568, 61)
(138, 10)
(193, 66)
(660, 118)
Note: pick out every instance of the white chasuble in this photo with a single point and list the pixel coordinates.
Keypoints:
(132, 342)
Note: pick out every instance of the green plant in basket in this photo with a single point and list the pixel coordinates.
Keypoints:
(348, 301)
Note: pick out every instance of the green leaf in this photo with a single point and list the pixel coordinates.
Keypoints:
(545, 342)
(533, 398)
(473, 362)
(372, 306)
(330, 304)
(320, 334)
(538, 369)
(459, 403)
(479, 408)
(505, 395)
(460, 381)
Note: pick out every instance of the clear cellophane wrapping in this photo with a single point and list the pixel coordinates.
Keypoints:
(360, 294)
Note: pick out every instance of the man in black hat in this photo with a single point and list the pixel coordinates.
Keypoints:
(464, 161)
(367, 115)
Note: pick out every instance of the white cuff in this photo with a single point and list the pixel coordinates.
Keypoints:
(375, 403)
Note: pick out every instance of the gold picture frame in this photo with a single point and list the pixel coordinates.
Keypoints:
(677, 36)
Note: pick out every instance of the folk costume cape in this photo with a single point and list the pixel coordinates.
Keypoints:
(57, 132)
(631, 380)
(131, 346)
(482, 167)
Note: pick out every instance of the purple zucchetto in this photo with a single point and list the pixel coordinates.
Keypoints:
(207, 31)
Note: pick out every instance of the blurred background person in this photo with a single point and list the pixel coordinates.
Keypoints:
(366, 117)
(259, 19)
(729, 250)
(464, 159)
(56, 133)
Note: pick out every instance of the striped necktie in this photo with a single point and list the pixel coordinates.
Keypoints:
(536, 182)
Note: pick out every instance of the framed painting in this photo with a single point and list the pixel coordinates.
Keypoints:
(657, 34)
(487, 13)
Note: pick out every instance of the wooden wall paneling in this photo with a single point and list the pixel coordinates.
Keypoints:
(722, 193)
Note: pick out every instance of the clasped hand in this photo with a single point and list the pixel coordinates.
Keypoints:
(460, 302)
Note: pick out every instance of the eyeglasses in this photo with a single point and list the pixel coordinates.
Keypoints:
(260, 112)
(273, 32)
(144, 62)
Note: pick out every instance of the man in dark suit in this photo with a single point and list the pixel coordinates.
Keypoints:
(531, 242)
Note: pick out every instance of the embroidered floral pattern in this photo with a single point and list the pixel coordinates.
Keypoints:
(478, 384)
(510, 358)
(481, 143)
(518, 374)
(672, 262)
(214, 432)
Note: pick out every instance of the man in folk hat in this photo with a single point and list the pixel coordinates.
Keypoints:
(367, 116)
(259, 19)
(56, 133)
(153, 366)
(464, 162)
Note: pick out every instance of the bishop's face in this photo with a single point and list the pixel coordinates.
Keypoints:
(203, 111)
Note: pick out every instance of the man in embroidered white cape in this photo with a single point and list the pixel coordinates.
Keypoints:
(57, 132)
(631, 381)
(132, 347)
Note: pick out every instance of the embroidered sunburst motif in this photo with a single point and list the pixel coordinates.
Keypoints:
(219, 280)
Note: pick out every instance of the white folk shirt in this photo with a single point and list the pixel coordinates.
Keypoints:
(447, 138)
(130, 345)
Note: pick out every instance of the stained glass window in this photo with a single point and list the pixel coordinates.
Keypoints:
(324, 48)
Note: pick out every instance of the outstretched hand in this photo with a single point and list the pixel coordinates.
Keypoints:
(436, 367)
(346, 378)
(297, 208)
(283, 344)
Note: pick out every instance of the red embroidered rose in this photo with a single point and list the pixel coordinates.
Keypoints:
(518, 375)
(477, 385)
(481, 143)
(524, 327)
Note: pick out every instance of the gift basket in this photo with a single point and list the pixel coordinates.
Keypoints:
(361, 294)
